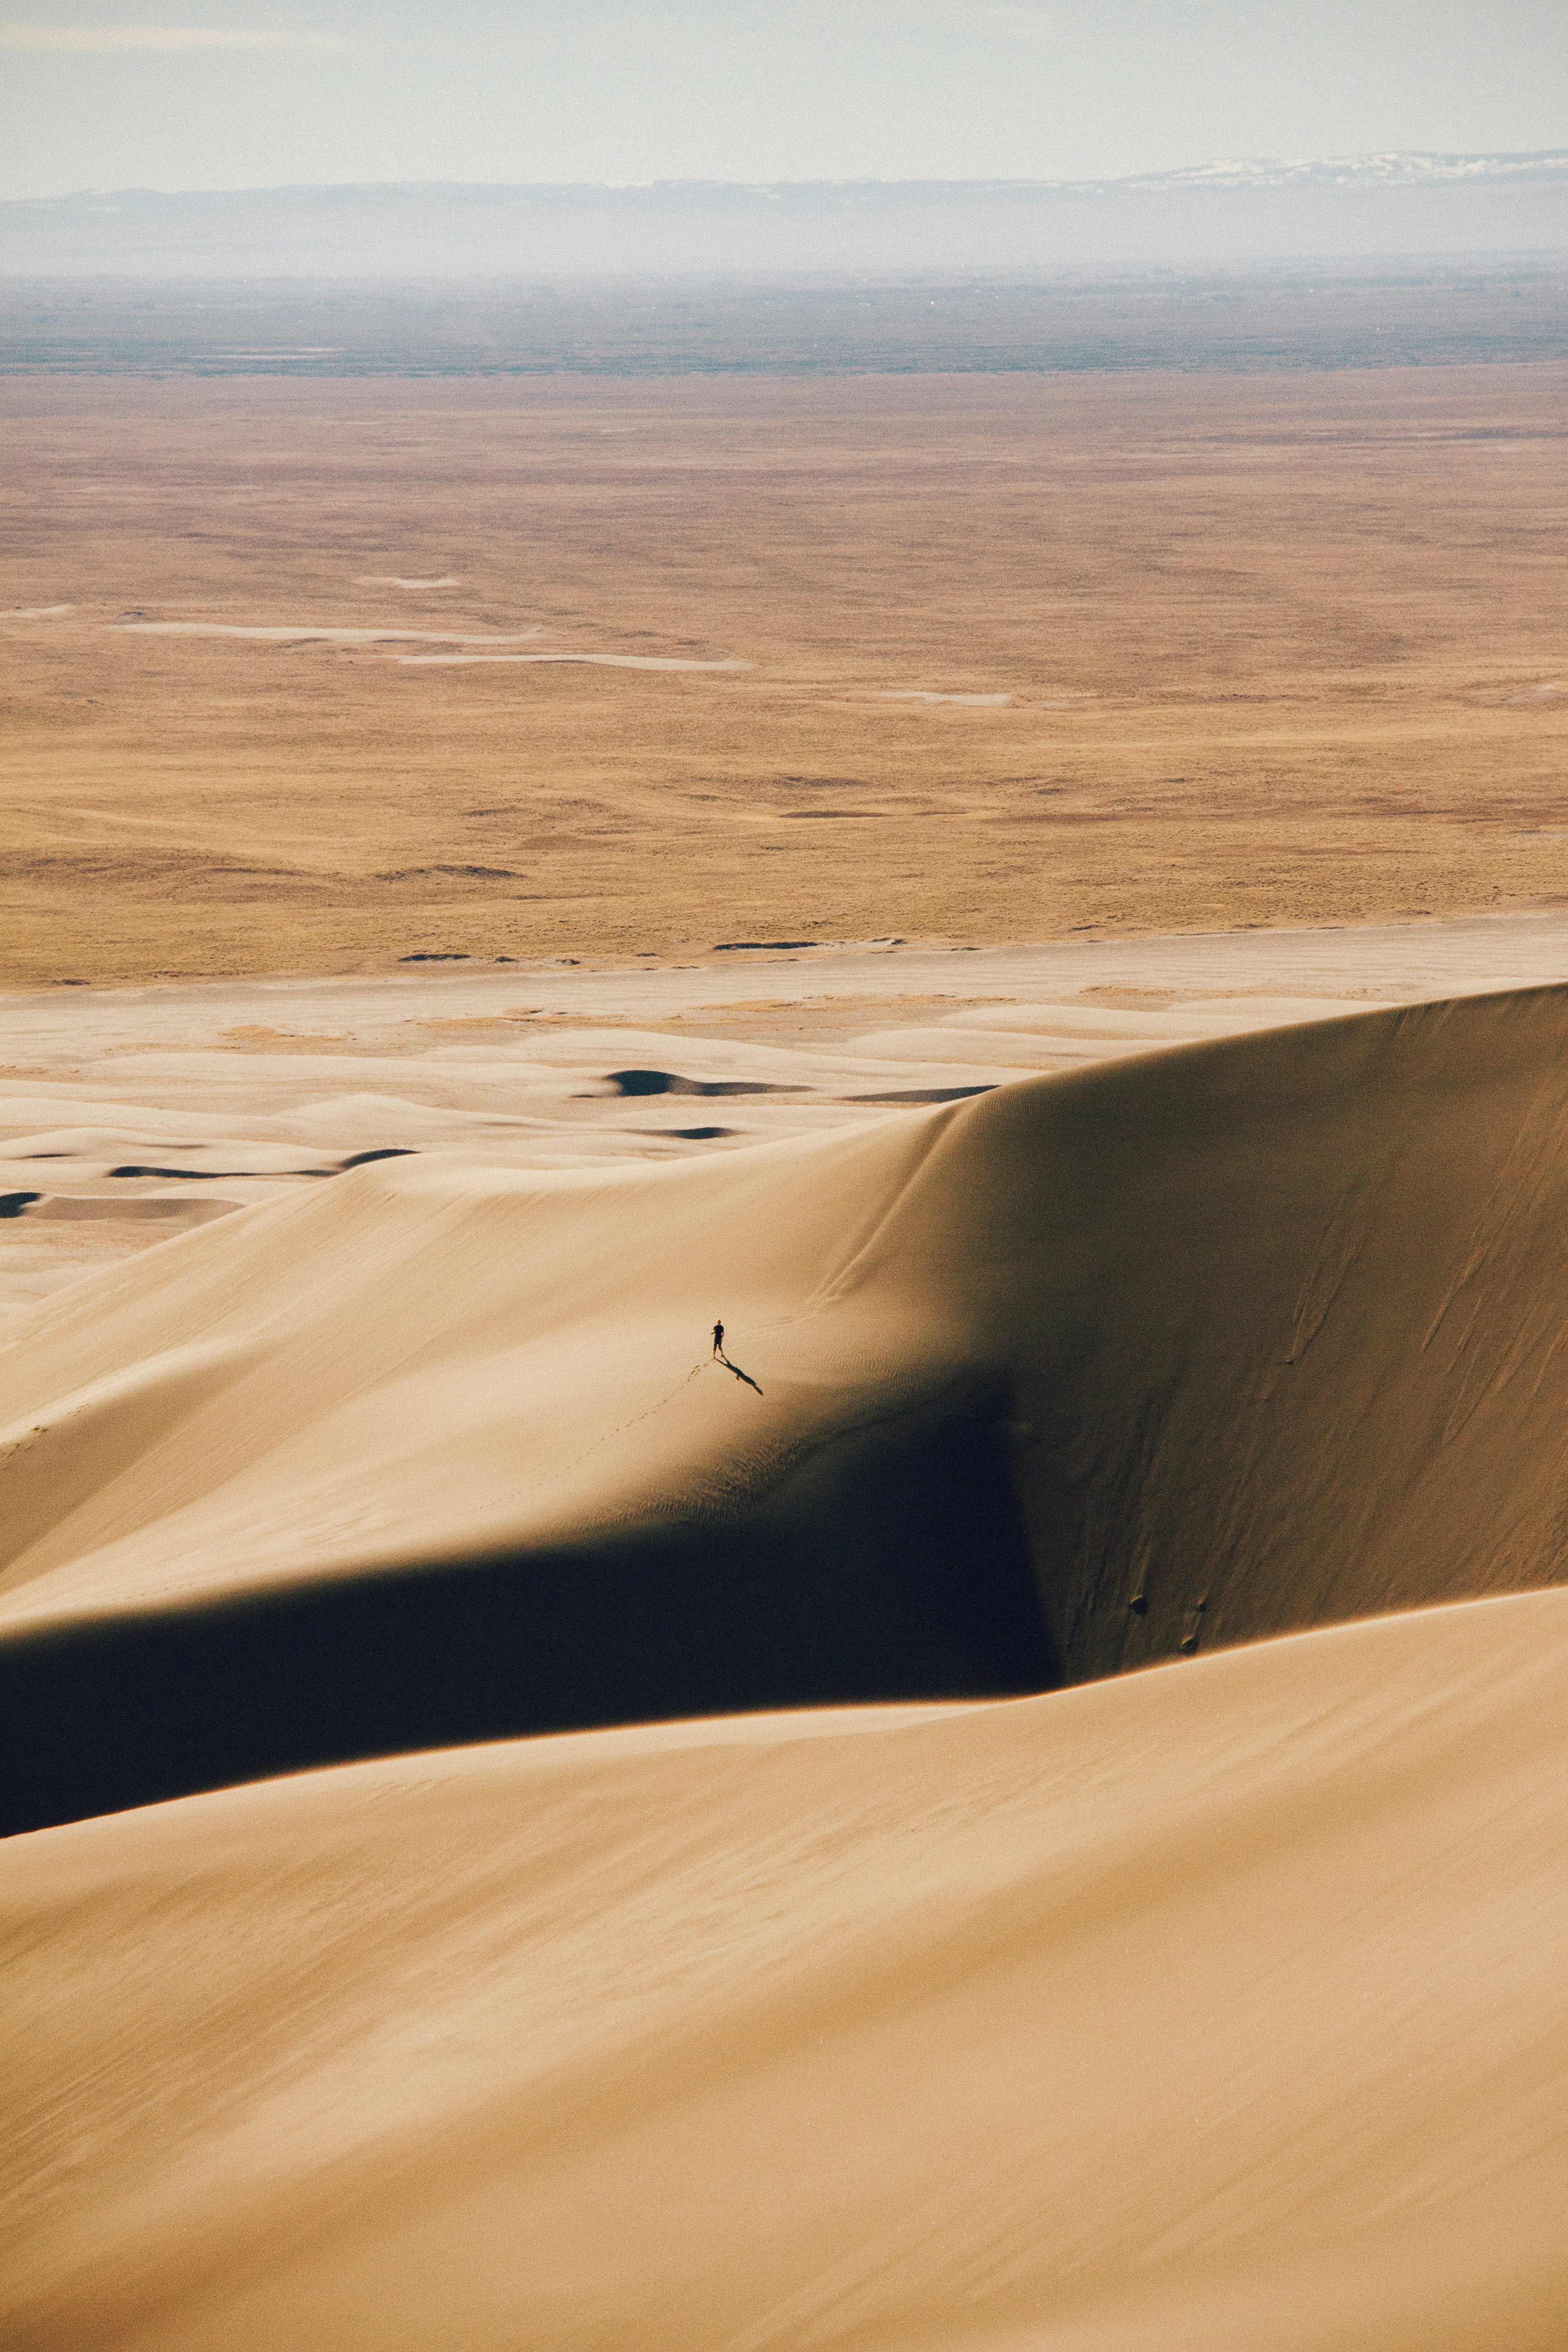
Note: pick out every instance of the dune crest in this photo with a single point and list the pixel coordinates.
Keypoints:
(1091, 1372)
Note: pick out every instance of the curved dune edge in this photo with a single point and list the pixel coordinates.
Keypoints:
(1177, 1352)
(1209, 2008)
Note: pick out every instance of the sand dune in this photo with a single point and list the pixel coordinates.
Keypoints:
(510, 1064)
(1094, 1370)
(1024, 2000)
(1203, 2011)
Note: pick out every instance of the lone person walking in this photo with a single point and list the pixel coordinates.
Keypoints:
(723, 1358)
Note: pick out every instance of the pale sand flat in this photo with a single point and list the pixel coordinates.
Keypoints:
(603, 661)
(1214, 1017)
(914, 694)
(1023, 1049)
(307, 632)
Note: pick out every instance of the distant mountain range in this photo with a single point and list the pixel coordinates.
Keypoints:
(1217, 212)
(1357, 172)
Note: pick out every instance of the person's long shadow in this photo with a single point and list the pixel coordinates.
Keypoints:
(720, 1356)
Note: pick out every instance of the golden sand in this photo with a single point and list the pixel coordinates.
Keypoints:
(1210, 2005)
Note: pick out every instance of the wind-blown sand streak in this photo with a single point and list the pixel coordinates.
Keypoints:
(605, 661)
(307, 632)
(915, 694)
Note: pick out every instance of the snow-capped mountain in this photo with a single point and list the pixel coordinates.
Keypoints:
(1359, 171)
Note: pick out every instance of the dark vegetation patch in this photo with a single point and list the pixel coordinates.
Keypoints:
(474, 873)
(665, 1082)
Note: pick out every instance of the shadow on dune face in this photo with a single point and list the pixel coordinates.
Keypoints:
(891, 1565)
(1095, 1372)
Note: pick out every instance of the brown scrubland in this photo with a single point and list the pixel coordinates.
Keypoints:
(1275, 650)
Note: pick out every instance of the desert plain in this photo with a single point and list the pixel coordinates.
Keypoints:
(1018, 654)
(1015, 1798)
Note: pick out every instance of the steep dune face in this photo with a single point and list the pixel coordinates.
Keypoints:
(1203, 2010)
(1290, 1341)
(1201, 1345)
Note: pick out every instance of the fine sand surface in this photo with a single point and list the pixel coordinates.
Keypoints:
(1113, 1895)
(1215, 2010)
(127, 1114)
(959, 658)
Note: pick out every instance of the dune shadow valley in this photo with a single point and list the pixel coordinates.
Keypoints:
(1015, 1799)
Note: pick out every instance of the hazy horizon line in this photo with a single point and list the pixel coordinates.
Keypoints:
(1371, 168)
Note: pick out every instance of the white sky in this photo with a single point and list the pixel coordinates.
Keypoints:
(235, 93)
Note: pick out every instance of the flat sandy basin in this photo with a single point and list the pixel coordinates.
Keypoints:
(1019, 653)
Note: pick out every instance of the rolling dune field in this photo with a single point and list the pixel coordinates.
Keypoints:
(1017, 1802)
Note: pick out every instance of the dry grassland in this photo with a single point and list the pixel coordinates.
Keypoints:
(1276, 650)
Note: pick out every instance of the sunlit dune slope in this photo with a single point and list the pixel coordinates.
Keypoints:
(1213, 2009)
(1172, 1352)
